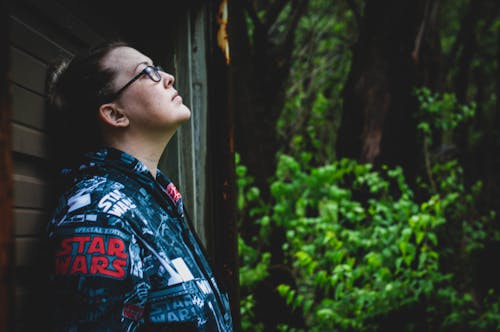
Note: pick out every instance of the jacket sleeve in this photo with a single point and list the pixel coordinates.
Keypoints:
(97, 278)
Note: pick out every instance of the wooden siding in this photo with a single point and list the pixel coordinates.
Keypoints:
(192, 137)
(30, 53)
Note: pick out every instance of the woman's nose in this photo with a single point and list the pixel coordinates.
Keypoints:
(168, 80)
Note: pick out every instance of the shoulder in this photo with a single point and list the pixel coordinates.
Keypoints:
(97, 200)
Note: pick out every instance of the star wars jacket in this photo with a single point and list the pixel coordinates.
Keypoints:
(124, 258)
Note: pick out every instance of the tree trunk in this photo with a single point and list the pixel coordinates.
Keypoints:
(466, 40)
(260, 67)
(496, 116)
(377, 123)
(466, 49)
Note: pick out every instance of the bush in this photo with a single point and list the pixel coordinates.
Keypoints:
(360, 245)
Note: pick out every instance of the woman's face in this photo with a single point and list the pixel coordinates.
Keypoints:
(151, 106)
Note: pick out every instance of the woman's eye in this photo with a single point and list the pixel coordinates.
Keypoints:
(148, 71)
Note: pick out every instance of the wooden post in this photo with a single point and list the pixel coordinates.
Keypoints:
(221, 171)
(6, 192)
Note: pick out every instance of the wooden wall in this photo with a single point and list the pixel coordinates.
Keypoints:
(40, 33)
(191, 141)
(34, 44)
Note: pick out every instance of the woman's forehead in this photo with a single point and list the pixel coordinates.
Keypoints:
(125, 59)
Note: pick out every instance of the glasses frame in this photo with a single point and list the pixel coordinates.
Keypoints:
(153, 72)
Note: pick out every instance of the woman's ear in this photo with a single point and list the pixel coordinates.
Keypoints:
(112, 116)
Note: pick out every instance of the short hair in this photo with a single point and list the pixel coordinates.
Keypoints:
(76, 87)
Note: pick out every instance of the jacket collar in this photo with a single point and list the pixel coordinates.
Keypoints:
(108, 158)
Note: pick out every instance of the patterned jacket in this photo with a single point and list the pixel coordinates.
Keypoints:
(124, 257)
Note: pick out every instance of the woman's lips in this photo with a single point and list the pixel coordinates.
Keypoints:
(177, 97)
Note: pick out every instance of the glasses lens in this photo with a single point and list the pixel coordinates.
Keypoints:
(153, 73)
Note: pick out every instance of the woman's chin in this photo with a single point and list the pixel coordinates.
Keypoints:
(186, 113)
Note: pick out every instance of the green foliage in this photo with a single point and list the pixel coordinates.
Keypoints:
(441, 113)
(320, 65)
(468, 34)
(254, 262)
(361, 245)
(365, 257)
(451, 12)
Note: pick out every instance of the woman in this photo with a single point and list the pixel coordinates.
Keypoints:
(125, 259)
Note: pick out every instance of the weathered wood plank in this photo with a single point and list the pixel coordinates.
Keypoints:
(186, 131)
(200, 105)
(32, 305)
(28, 108)
(30, 192)
(60, 15)
(27, 71)
(31, 166)
(29, 141)
(40, 33)
(29, 222)
(28, 252)
(21, 300)
(33, 42)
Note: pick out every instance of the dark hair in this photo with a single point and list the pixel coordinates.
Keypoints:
(76, 89)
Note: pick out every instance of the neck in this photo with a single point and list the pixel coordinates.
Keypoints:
(149, 157)
(147, 152)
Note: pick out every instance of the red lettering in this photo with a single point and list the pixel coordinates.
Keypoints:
(99, 264)
(116, 247)
(132, 311)
(75, 253)
(62, 264)
(66, 247)
(96, 246)
(118, 265)
(79, 265)
(173, 193)
(81, 242)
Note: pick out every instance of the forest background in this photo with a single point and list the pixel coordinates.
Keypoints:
(367, 136)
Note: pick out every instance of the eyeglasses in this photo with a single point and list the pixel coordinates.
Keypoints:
(153, 73)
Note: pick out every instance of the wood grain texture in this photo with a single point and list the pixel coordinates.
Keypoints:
(27, 71)
(30, 222)
(29, 141)
(30, 192)
(28, 108)
(31, 41)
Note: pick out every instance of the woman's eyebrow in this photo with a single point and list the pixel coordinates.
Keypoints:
(147, 63)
